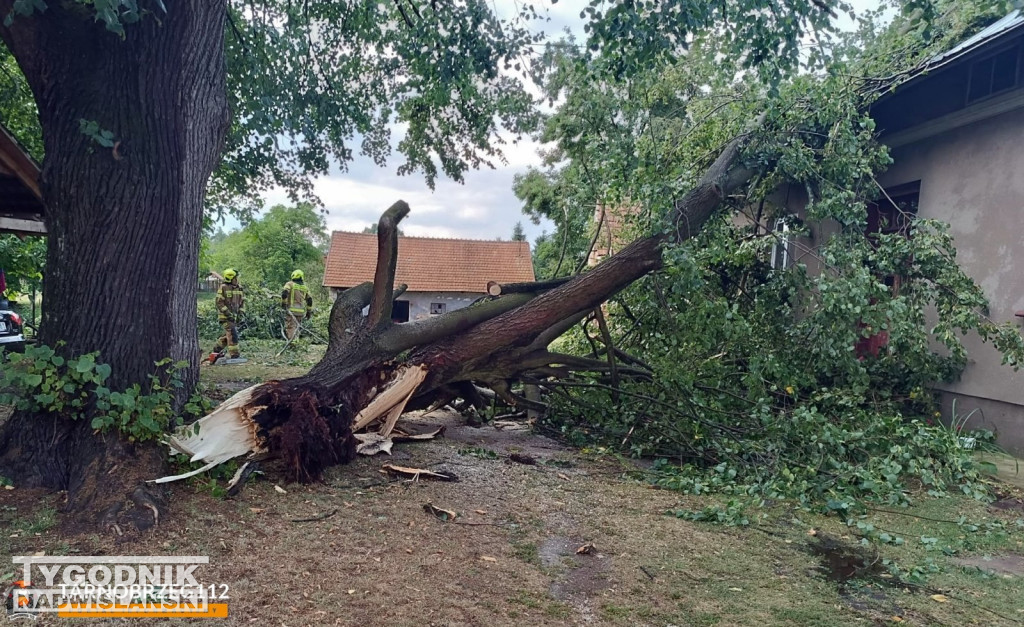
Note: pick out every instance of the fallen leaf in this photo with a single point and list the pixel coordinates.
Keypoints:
(481, 512)
(8, 487)
(488, 558)
(812, 531)
(257, 510)
(897, 619)
(586, 549)
(280, 489)
(736, 589)
(442, 514)
(351, 591)
(940, 598)
(563, 476)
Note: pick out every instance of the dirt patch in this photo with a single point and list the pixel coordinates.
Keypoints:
(503, 441)
(843, 562)
(1008, 504)
(1012, 565)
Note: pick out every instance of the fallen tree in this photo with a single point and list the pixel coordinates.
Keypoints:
(374, 369)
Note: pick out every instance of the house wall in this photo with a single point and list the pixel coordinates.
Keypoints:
(971, 178)
(419, 302)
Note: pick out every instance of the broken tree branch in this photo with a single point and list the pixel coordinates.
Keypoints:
(387, 261)
(497, 289)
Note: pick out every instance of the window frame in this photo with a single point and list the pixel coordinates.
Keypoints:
(1017, 47)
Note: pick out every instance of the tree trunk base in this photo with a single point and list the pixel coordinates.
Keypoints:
(103, 476)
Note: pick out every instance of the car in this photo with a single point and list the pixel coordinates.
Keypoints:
(11, 338)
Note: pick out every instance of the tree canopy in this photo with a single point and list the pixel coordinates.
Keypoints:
(267, 249)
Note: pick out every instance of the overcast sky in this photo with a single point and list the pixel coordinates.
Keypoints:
(484, 207)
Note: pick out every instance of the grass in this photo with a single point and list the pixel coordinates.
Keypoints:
(264, 362)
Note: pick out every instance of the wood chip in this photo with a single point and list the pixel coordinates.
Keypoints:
(416, 473)
(586, 549)
(488, 558)
(440, 513)
(280, 489)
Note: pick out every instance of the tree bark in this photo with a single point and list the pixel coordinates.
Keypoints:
(124, 222)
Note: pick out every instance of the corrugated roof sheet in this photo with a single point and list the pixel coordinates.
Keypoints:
(428, 264)
(993, 31)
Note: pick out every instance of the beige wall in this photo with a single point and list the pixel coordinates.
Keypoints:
(972, 177)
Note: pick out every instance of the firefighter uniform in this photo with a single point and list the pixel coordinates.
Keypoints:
(297, 303)
(230, 309)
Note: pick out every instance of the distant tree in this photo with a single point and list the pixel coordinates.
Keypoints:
(268, 249)
(518, 235)
(372, 230)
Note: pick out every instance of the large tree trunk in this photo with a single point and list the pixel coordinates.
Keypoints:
(124, 222)
(374, 369)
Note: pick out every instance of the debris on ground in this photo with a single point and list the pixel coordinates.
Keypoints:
(415, 473)
(439, 513)
(521, 458)
(586, 549)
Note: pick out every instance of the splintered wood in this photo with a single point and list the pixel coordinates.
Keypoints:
(390, 403)
(225, 433)
(387, 406)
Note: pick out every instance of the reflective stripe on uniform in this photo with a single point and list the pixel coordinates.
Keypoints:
(296, 297)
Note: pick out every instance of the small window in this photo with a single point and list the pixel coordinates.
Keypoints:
(994, 74)
(437, 309)
(780, 251)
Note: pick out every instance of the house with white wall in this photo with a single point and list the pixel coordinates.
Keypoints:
(442, 275)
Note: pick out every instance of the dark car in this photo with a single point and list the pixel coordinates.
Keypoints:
(11, 338)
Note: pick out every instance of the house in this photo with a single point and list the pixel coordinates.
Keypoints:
(21, 201)
(441, 274)
(613, 224)
(956, 136)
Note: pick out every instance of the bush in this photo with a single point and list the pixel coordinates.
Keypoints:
(41, 381)
(264, 318)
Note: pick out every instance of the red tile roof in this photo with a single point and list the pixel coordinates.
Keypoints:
(428, 264)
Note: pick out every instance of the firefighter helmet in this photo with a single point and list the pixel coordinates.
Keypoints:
(298, 275)
(230, 274)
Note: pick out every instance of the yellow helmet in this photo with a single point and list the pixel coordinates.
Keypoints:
(230, 274)
(298, 274)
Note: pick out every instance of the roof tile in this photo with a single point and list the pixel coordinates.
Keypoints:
(428, 264)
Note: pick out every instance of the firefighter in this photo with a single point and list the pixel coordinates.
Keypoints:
(297, 304)
(230, 309)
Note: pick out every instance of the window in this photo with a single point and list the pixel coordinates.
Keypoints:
(893, 213)
(400, 311)
(994, 74)
(780, 251)
(437, 309)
